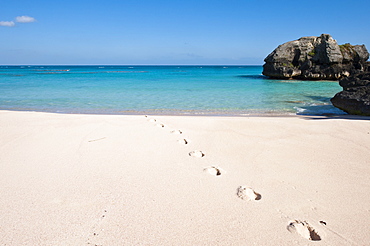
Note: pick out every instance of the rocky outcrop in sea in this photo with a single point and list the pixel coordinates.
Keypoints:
(315, 58)
(355, 97)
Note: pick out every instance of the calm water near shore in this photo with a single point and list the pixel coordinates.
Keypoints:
(194, 90)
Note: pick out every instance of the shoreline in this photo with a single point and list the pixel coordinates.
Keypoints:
(160, 113)
(74, 179)
(151, 114)
(188, 113)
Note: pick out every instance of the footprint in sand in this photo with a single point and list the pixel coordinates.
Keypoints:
(152, 120)
(160, 125)
(215, 171)
(247, 193)
(196, 153)
(303, 229)
(183, 141)
(176, 132)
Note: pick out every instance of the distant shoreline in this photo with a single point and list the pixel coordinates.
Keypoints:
(129, 65)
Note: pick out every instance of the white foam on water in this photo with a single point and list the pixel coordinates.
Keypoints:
(319, 109)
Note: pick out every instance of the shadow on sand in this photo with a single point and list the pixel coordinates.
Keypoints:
(336, 117)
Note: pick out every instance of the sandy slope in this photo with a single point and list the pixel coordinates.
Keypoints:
(125, 180)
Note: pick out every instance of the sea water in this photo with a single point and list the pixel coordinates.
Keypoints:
(179, 90)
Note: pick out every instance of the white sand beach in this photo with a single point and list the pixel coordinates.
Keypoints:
(183, 180)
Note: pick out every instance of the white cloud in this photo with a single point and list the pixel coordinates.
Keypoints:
(24, 19)
(7, 23)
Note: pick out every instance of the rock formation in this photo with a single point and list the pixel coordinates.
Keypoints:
(355, 97)
(315, 58)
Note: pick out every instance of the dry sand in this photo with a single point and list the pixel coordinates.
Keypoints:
(131, 180)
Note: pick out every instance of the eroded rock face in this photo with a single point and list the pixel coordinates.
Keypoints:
(315, 58)
(355, 97)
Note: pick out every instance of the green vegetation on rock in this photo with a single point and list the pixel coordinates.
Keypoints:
(288, 64)
(346, 47)
(312, 53)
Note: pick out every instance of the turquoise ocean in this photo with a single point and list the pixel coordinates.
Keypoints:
(167, 90)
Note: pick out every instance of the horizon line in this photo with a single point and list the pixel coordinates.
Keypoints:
(131, 64)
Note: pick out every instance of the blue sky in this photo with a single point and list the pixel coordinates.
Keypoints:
(154, 32)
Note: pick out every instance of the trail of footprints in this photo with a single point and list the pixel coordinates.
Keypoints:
(303, 228)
